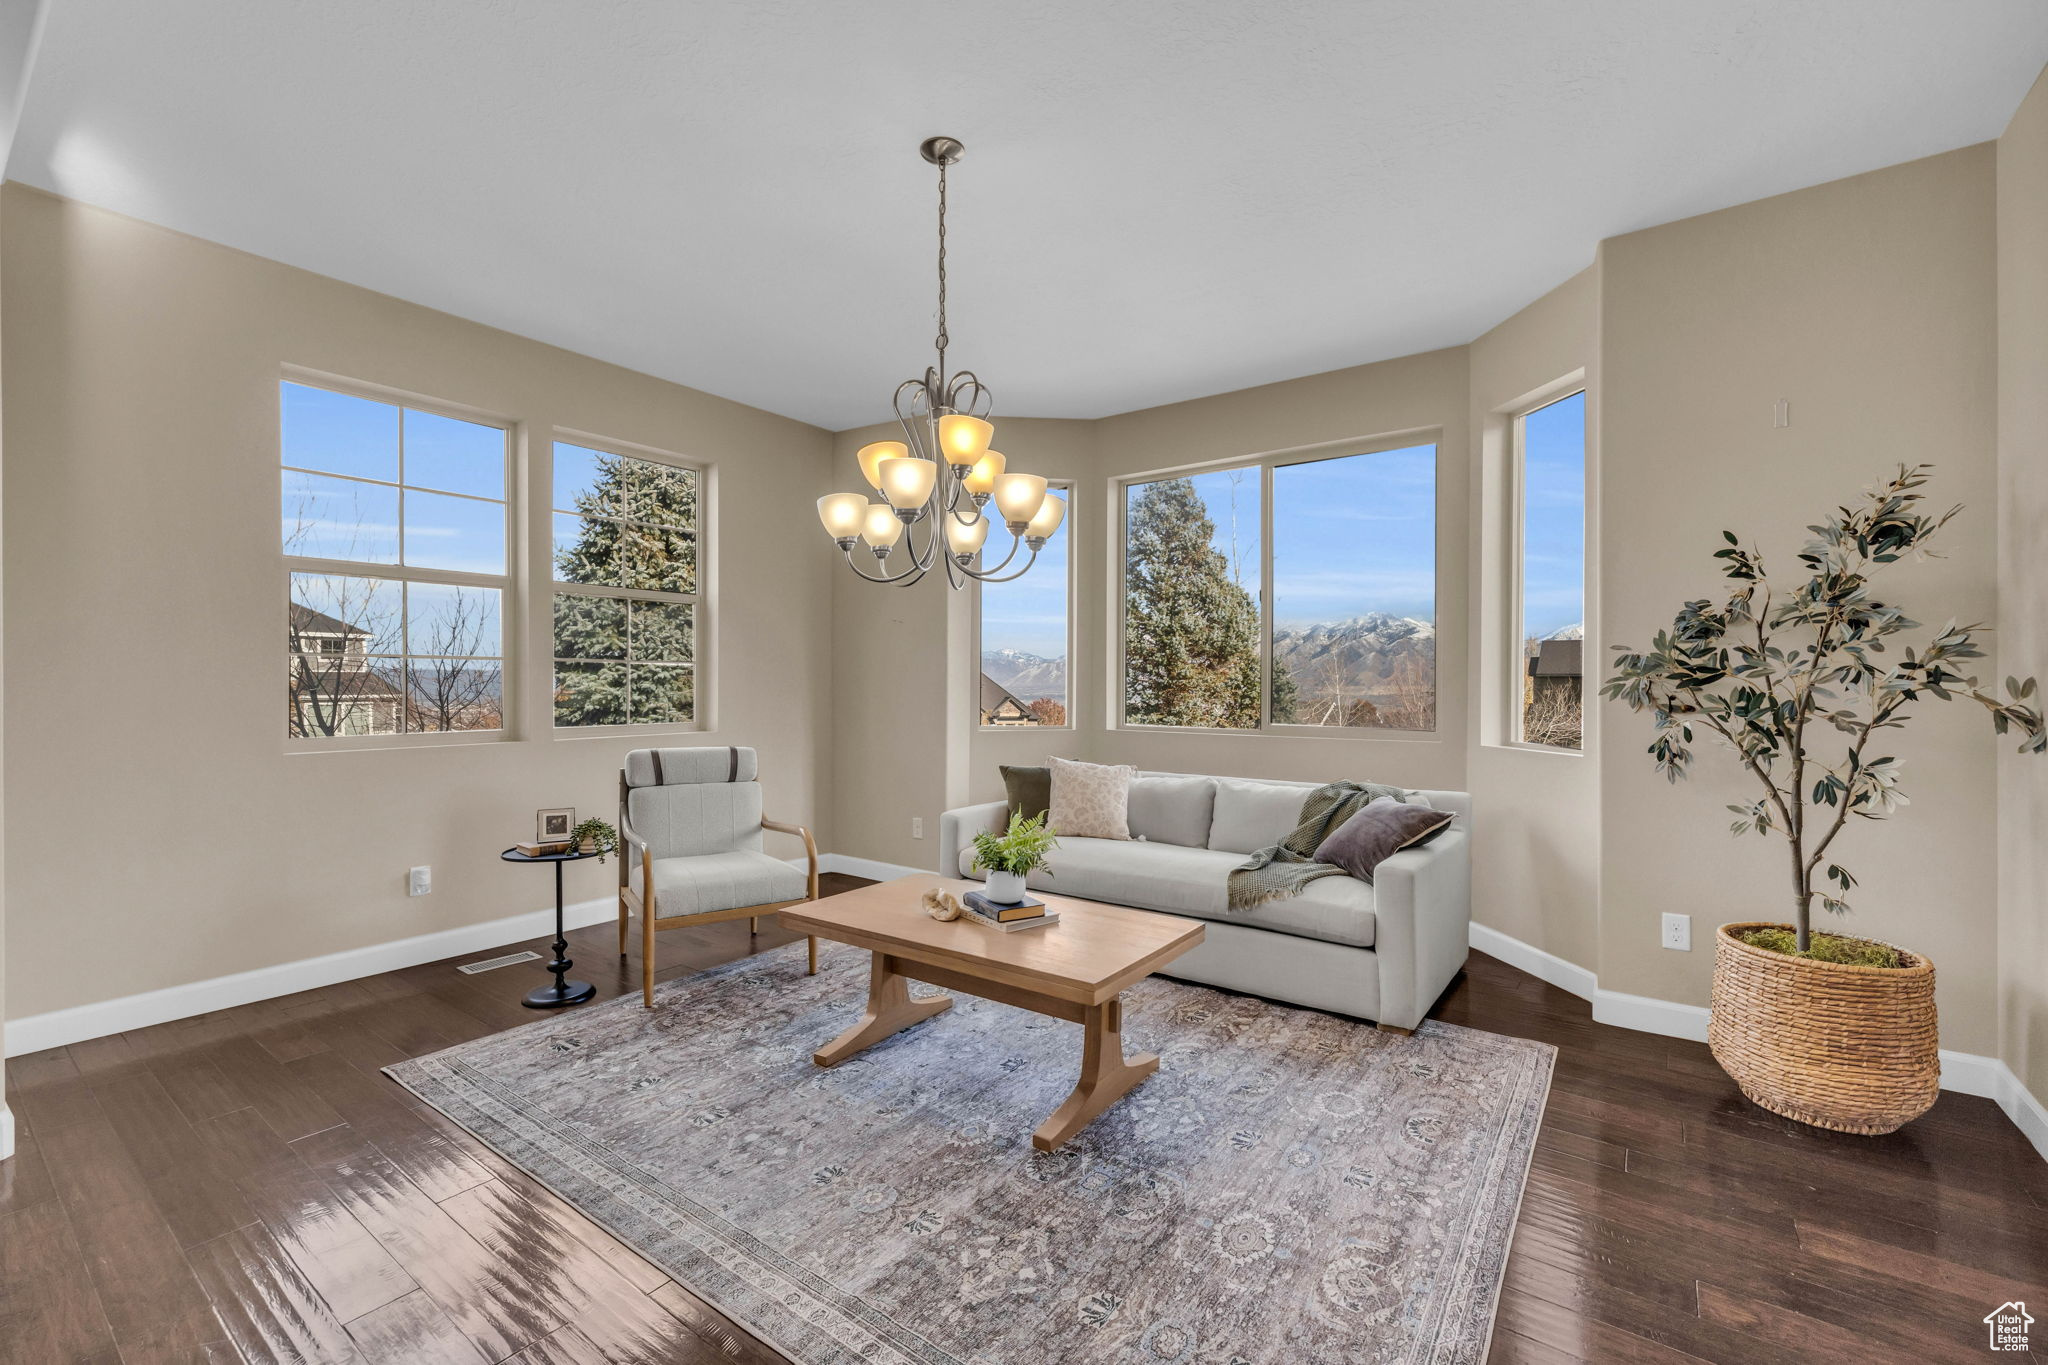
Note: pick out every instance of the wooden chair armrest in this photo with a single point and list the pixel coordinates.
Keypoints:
(810, 849)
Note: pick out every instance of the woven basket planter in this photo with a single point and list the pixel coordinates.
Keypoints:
(1849, 1048)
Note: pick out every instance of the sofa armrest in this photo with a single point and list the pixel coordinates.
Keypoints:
(957, 829)
(1422, 907)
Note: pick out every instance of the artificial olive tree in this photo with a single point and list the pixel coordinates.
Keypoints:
(1780, 675)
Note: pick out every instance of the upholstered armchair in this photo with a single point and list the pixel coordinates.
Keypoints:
(691, 834)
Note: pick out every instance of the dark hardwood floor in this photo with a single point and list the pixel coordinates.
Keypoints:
(246, 1186)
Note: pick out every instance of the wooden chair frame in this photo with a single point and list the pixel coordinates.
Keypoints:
(651, 920)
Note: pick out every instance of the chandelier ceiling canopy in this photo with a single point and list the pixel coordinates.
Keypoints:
(942, 475)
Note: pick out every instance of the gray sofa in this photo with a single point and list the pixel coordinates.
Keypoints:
(1381, 950)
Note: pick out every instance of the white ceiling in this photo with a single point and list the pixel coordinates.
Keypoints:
(1160, 200)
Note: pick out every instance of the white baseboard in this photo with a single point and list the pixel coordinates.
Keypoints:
(6, 1132)
(1966, 1073)
(866, 867)
(58, 1028)
(1566, 976)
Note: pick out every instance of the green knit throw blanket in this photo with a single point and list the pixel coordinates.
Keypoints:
(1281, 871)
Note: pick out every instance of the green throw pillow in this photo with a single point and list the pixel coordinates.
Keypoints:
(1030, 790)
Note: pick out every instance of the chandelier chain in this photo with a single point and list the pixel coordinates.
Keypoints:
(942, 338)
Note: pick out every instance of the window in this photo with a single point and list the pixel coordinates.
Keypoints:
(1191, 600)
(1348, 544)
(1354, 591)
(627, 587)
(1551, 444)
(1024, 640)
(394, 531)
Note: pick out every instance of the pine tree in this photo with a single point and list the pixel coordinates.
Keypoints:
(615, 648)
(1191, 634)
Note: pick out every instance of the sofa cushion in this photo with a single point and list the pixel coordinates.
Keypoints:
(1091, 800)
(683, 820)
(1029, 790)
(1193, 882)
(1254, 815)
(1172, 810)
(1379, 831)
(719, 881)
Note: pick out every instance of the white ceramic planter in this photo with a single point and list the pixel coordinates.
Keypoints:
(1004, 888)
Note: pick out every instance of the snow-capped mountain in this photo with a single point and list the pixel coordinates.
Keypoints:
(1026, 677)
(1572, 632)
(1375, 645)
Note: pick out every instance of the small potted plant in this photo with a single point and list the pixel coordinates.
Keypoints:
(1011, 856)
(1797, 681)
(594, 836)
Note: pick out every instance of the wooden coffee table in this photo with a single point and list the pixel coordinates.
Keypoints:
(1076, 970)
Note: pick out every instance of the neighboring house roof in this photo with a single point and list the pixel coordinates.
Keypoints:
(320, 623)
(994, 696)
(1557, 659)
(357, 685)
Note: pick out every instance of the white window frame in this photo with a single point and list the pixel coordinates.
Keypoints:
(508, 610)
(1514, 537)
(1266, 462)
(1068, 529)
(701, 601)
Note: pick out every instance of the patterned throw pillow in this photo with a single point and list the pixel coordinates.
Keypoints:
(1091, 800)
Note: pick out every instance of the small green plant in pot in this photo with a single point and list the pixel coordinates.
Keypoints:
(594, 836)
(1013, 855)
(1797, 681)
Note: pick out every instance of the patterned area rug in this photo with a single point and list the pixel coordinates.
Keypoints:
(1290, 1187)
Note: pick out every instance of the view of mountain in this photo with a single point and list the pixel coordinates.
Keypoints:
(1571, 632)
(1376, 669)
(1026, 677)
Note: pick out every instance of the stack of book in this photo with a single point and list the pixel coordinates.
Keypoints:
(543, 850)
(1029, 913)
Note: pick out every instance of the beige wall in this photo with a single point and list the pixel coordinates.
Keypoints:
(175, 837)
(1419, 391)
(1536, 870)
(1869, 304)
(2022, 642)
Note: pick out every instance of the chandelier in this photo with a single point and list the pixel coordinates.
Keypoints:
(942, 475)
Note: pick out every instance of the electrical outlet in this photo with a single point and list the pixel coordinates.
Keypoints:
(420, 881)
(917, 827)
(1678, 933)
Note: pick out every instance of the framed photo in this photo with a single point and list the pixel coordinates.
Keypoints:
(553, 825)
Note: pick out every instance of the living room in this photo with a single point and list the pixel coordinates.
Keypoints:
(1443, 449)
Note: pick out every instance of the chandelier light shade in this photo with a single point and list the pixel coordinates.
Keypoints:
(1018, 497)
(880, 527)
(842, 514)
(1051, 513)
(964, 438)
(981, 480)
(872, 455)
(942, 475)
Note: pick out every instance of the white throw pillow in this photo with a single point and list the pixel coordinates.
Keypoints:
(1091, 800)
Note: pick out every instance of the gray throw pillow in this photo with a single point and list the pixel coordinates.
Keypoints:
(1382, 829)
(1030, 790)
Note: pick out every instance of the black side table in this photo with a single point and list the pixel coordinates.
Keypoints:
(563, 992)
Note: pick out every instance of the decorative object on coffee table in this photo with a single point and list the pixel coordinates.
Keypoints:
(1079, 975)
(941, 905)
(1804, 1027)
(564, 991)
(1013, 855)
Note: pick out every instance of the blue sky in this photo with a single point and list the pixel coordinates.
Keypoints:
(1554, 517)
(1029, 615)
